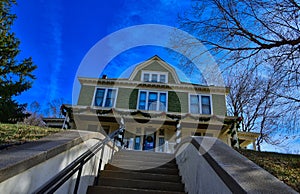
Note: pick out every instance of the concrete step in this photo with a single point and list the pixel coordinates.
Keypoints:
(136, 172)
(148, 153)
(141, 184)
(143, 158)
(149, 164)
(140, 176)
(171, 171)
(145, 153)
(120, 190)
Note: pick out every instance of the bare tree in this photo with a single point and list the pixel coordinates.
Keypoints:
(259, 32)
(54, 107)
(251, 97)
(35, 117)
(257, 44)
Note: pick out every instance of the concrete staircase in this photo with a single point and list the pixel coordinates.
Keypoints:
(139, 172)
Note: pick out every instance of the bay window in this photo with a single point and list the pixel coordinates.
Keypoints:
(151, 100)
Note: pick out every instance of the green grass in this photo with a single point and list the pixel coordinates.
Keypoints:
(18, 133)
(286, 167)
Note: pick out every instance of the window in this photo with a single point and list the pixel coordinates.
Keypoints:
(150, 100)
(200, 104)
(205, 103)
(154, 77)
(142, 102)
(161, 143)
(105, 97)
(194, 104)
(137, 143)
(162, 78)
(146, 77)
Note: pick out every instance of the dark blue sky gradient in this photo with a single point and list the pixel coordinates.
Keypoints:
(57, 35)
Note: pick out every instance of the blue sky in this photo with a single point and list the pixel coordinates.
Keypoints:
(57, 35)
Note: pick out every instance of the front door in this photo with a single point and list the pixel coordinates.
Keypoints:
(149, 141)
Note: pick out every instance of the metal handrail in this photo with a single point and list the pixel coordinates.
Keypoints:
(58, 180)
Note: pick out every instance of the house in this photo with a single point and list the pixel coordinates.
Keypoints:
(156, 108)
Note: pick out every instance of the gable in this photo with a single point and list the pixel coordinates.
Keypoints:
(155, 64)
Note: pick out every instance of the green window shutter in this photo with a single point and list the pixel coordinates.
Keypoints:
(177, 102)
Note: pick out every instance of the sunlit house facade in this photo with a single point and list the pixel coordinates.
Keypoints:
(158, 110)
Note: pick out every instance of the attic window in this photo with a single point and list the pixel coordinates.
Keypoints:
(154, 77)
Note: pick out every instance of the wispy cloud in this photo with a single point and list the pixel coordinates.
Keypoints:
(53, 16)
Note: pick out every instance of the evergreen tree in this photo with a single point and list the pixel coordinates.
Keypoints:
(15, 76)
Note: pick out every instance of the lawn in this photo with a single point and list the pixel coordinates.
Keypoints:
(286, 167)
(11, 134)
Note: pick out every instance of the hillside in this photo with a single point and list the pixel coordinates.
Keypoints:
(12, 134)
(286, 167)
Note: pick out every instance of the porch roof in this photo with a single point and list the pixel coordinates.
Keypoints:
(211, 122)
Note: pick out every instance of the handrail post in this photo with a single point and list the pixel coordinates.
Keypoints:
(99, 166)
(113, 149)
(78, 178)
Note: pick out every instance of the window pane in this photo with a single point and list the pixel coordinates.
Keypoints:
(161, 142)
(110, 98)
(154, 78)
(146, 77)
(205, 100)
(142, 102)
(194, 104)
(99, 97)
(162, 101)
(137, 142)
(195, 109)
(152, 101)
(205, 103)
(162, 78)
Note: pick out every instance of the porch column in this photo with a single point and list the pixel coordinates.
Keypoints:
(254, 145)
(122, 131)
(178, 131)
(229, 140)
(235, 137)
(66, 122)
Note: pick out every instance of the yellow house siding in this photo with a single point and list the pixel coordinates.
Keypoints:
(155, 66)
(177, 102)
(86, 95)
(127, 98)
(219, 104)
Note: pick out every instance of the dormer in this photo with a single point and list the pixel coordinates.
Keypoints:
(155, 70)
(154, 76)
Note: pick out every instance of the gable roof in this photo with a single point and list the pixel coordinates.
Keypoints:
(157, 59)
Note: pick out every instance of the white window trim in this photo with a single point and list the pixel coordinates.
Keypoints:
(154, 72)
(105, 93)
(200, 105)
(147, 94)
